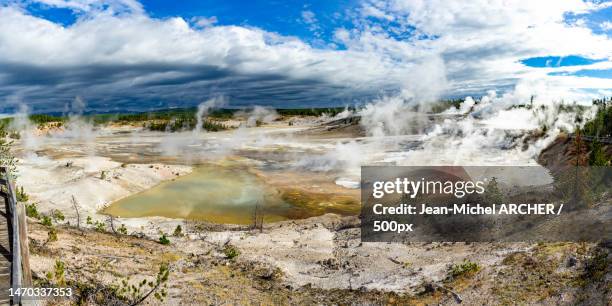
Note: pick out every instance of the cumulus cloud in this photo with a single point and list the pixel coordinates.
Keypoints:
(203, 22)
(134, 59)
(116, 56)
(88, 6)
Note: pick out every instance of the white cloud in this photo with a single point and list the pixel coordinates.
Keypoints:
(204, 22)
(106, 55)
(309, 17)
(425, 48)
(606, 25)
(482, 41)
(88, 6)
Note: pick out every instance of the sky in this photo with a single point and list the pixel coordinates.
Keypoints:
(129, 55)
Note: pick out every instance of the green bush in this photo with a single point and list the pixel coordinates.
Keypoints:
(99, 226)
(164, 240)
(601, 124)
(466, 268)
(21, 195)
(32, 211)
(178, 231)
(122, 229)
(46, 221)
(57, 215)
(230, 252)
(52, 235)
(59, 272)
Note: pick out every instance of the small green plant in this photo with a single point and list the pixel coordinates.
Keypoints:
(163, 239)
(51, 235)
(122, 229)
(136, 294)
(230, 252)
(178, 231)
(58, 274)
(466, 268)
(99, 226)
(46, 221)
(21, 195)
(595, 267)
(103, 175)
(89, 220)
(57, 215)
(493, 194)
(32, 211)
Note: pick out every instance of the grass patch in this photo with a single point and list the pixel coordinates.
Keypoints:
(230, 252)
(465, 269)
(532, 277)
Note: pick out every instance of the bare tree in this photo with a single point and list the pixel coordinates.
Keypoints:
(258, 217)
(111, 220)
(75, 204)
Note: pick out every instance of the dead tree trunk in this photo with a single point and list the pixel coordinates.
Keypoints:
(75, 204)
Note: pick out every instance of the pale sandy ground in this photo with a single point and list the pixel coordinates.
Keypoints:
(52, 184)
(320, 261)
(321, 253)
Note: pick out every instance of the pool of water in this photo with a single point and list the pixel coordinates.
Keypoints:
(229, 195)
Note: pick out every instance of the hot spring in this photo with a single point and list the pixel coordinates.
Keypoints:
(229, 195)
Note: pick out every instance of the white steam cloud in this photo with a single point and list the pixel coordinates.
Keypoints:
(205, 107)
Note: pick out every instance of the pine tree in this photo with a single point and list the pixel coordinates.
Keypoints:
(573, 183)
(598, 156)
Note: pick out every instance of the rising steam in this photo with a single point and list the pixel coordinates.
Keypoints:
(204, 108)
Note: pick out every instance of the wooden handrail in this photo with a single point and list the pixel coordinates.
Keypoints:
(16, 275)
(21, 276)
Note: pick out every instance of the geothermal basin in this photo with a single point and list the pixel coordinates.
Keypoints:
(224, 194)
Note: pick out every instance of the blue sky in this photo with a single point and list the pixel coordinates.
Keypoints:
(130, 55)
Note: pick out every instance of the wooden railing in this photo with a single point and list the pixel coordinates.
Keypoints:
(21, 275)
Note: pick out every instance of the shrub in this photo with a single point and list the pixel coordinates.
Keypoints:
(32, 211)
(57, 215)
(178, 231)
(466, 268)
(57, 276)
(21, 195)
(99, 226)
(52, 235)
(230, 252)
(59, 273)
(493, 194)
(89, 220)
(135, 294)
(164, 240)
(122, 229)
(46, 221)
